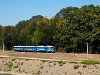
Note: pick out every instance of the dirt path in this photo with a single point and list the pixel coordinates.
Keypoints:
(56, 56)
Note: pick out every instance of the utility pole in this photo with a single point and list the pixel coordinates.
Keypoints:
(87, 51)
(3, 47)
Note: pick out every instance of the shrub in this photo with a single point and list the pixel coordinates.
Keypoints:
(84, 66)
(13, 59)
(16, 66)
(54, 63)
(61, 63)
(21, 63)
(10, 65)
(76, 66)
(41, 66)
(80, 72)
(49, 65)
(75, 62)
(38, 73)
(50, 61)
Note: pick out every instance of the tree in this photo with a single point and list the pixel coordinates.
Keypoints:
(1, 36)
(8, 41)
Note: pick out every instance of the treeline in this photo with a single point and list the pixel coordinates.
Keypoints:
(68, 31)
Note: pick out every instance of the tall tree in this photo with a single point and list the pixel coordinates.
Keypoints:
(8, 36)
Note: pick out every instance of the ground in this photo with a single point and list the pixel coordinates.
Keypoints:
(48, 63)
(56, 56)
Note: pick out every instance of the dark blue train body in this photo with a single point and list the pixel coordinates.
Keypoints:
(34, 48)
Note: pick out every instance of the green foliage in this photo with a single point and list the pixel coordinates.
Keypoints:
(7, 36)
(89, 62)
(1, 36)
(67, 31)
(79, 29)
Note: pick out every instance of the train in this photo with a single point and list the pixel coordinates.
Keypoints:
(49, 49)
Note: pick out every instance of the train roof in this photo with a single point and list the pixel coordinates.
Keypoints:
(33, 46)
(24, 46)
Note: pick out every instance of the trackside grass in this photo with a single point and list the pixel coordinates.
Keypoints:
(90, 62)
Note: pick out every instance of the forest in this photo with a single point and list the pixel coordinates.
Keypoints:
(68, 31)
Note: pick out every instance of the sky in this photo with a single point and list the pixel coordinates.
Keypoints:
(13, 11)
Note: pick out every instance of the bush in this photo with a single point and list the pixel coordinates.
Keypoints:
(84, 66)
(61, 63)
(10, 65)
(13, 59)
(76, 66)
(45, 61)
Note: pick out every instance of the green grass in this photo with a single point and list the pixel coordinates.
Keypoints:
(90, 62)
(87, 62)
(50, 61)
(75, 62)
(61, 63)
(28, 59)
(45, 61)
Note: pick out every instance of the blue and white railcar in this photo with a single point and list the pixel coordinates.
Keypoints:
(19, 48)
(49, 48)
(41, 49)
(34, 48)
(29, 48)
